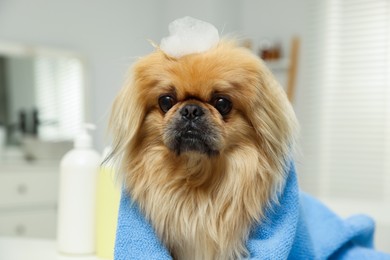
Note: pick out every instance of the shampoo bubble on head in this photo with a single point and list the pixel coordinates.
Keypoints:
(79, 170)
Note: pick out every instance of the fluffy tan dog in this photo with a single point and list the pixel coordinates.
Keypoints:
(203, 141)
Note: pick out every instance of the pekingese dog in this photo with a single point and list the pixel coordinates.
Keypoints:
(204, 141)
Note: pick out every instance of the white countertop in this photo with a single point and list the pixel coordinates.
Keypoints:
(34, 249)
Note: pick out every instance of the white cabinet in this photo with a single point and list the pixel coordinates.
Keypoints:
(29, 223)
(28, 199)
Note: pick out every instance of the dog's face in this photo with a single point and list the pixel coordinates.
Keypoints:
(210, 103)
(201, 103)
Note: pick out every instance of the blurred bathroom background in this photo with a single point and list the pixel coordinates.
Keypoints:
(62, 63)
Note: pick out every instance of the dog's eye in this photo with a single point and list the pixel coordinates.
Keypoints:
(166, 102)
(223, 105)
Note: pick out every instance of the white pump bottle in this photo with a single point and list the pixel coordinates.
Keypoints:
(77, 197)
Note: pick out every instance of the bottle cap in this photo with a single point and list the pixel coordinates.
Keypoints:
(84, 139)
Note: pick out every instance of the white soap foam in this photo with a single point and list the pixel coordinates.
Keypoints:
(189, 35)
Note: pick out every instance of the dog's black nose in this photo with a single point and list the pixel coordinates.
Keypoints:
(191, 111)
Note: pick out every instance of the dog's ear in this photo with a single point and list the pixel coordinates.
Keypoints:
(126, 117)
(274, 120)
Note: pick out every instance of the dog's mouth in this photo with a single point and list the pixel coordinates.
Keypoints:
(191, 134)
(190, 139)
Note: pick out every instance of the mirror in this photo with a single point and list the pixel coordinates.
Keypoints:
(42, 101)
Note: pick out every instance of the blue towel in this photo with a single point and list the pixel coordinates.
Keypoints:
(299, 227)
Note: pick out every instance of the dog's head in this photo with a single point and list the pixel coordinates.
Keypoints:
(204, 141)
(211, 104)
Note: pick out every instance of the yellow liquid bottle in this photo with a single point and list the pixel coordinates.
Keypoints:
(108, 196)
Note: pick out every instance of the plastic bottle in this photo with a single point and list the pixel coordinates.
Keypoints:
(79, 170)
(108, 197)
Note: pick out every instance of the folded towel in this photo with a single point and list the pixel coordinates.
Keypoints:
(299, 227)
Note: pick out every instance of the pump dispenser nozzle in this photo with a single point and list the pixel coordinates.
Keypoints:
(84, 139)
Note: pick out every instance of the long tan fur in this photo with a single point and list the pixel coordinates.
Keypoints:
(202, 206)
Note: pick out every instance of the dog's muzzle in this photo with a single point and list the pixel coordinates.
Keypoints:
(190, 130)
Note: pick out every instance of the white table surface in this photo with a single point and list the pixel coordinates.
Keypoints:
(34, 249)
